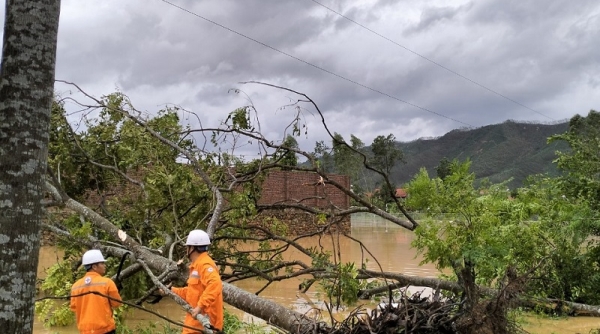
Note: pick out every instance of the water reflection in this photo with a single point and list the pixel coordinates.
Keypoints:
(388, 243)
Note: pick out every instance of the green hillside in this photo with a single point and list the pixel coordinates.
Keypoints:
(498, 152)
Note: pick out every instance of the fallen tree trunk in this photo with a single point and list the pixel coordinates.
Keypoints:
(402, 281)
(406, 280)
(272, 313)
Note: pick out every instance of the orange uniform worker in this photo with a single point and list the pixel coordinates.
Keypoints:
(204, 290)
(94, 312)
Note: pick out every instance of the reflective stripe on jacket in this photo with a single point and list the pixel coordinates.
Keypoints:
(94, 312)
(205, 289)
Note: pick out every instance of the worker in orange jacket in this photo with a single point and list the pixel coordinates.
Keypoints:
(204, 290)
(94, 312)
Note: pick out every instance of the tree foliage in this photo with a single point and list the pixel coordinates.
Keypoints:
(347, 160)
(582, 162)
(114, 154)
(286, 154)
(168, 184)
(385, 153)
(540, 234)
(322, 154)
(443, 169)
(149, 178)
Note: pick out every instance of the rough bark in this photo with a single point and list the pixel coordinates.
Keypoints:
(26, 93)
(402, 280)
(269, 311)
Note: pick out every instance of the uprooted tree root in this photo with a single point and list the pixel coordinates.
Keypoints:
(422, 315)
(414, 314)
(490, 316)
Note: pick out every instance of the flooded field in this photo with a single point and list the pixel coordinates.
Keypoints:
(389, 244)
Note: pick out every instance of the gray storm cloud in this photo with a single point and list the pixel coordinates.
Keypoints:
(541, 54)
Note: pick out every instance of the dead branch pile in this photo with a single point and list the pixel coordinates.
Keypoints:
(413, 314)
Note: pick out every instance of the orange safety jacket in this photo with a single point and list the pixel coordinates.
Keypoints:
(205, 289)
(94, 312)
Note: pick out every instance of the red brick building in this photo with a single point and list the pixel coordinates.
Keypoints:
(308, 189)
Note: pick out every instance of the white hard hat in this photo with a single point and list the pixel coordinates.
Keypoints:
(197, 238)
(92, 256)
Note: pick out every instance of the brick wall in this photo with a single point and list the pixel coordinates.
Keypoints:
(304, 188)
(289, 186)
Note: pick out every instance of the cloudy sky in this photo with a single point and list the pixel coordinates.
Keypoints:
(414, 68)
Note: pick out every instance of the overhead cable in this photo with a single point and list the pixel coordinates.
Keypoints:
(431, 61)
(313, 65)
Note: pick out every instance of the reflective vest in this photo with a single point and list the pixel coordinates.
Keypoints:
(94, 312)
(205, 289)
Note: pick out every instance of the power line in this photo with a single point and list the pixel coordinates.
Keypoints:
(313, 65)
(432, 61)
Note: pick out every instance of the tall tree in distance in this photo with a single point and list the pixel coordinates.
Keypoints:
(582, 162)
(323, 154)
(26, 93)
(347, 161)
(444, 168)
(285, 155)
(385, 153)
(385, 157)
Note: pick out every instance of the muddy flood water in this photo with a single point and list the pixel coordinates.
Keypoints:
(389, 244)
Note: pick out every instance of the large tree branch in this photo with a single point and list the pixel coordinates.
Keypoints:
(435, 283)
(271, 312)
(361, 154)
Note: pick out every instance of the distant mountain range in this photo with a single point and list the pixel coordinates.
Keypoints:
(497, 152)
